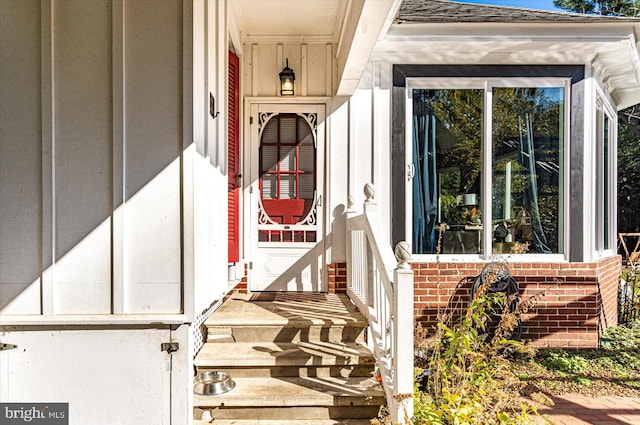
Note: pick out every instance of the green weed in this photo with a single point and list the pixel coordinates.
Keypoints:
(470, 380)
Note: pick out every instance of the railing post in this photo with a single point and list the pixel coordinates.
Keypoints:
(370, 204)
(403, 333)
(350, 209)
(351, 212)
(370, 207)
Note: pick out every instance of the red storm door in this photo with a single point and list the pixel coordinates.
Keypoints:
(233, 192)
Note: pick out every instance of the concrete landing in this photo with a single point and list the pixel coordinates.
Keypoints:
(291, 309)
(319, 391)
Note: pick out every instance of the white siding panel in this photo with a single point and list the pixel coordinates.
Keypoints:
(82, 276)
(382, 143)
(204, 163)
(317, 70)
(20, 157)
(210, 235)
(153, 143)
(83, 145)
(202, 230)
(360, 142)
(268, 83)
(107, 376)
(338, 171)
(152, 245)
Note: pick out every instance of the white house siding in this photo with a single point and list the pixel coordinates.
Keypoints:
(338, 172)
(152, 140)
(20, 163)
(205, 164)
(112, 172)
(91, 158)
(369, 138)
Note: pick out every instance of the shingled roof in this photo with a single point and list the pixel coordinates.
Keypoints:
(444, 11)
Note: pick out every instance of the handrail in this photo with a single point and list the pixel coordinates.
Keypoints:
(380, 284)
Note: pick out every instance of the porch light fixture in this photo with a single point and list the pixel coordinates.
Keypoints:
(287, 76)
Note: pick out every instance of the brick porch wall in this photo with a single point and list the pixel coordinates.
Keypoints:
(242, 287)
(579, 302)
(337, 278)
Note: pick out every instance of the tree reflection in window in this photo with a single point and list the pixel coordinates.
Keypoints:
(527, 126)
(527, 145)
(447, 162)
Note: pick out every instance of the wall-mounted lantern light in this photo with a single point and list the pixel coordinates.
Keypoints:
(287, 76)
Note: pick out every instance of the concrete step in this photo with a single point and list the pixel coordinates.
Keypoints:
(292, 332)
(296, 392)
(286, 317)
(284, 354)
(291, 422)
(302, 359)
(292, 371)
(295, 414)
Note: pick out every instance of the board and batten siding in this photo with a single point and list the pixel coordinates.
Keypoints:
(360, 151)
(313, 63)
(91, 121)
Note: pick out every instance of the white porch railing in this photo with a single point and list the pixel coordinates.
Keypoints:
(381, 286)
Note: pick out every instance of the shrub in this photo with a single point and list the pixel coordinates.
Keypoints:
(466, 377)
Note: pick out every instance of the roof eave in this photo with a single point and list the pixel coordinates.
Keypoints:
(521, 43)
(514, 29)
(365, 23)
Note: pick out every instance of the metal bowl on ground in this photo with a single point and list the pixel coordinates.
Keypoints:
(213, 383)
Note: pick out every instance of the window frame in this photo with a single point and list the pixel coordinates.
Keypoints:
(603, 108)
(487, 84)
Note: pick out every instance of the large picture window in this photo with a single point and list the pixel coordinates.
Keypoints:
(487, 167)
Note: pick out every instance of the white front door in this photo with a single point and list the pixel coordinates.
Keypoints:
(286, 163)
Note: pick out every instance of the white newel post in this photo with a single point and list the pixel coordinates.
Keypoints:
(403, 332)
(350, 206)
(370, 204)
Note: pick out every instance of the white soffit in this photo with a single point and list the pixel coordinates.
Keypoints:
(614, 46)
(364, 26)
(290, 20)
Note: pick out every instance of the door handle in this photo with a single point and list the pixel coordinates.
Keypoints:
(411, 171)
(239, 179)
(319, 200)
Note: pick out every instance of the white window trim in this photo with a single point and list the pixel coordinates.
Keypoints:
(604, 108)
(487, 85)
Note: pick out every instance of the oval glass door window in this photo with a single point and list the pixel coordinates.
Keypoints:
(287, 161)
